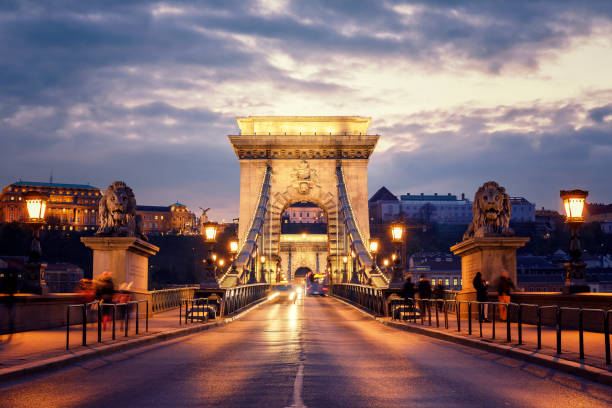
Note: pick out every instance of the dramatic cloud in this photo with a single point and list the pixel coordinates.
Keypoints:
(461, 92)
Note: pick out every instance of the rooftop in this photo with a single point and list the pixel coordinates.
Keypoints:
(53, 185)
(429, 197)
(383, 194)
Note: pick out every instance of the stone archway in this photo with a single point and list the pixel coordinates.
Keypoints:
(303, 154)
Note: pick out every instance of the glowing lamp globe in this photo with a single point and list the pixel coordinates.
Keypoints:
(262, 259)
(345, 259)
(210, 232)
(36, 203)
(386, 262)
(374, 246)
(233, 246)
(573, 202)
(397, 232)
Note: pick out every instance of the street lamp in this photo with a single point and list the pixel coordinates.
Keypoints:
(210, 237)
(262, 259)
(374, 249)
(397, 237)
(36, 203)
(573, 203)
(344, 261)
(355, 272)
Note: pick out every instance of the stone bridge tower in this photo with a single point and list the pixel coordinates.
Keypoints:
(303, 153)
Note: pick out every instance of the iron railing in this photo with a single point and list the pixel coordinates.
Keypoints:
(99, 308)
(428, 310)
(167, 299)
(368, 297)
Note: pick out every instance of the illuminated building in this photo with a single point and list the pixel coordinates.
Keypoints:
(70, 206)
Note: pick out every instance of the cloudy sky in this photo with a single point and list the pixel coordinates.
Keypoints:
(460, 92)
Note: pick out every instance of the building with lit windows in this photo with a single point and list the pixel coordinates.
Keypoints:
(70, 206)
(307, 213)
(439, 268)
(171, 219)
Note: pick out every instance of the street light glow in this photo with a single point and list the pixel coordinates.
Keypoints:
(37, 205)
(573, 202)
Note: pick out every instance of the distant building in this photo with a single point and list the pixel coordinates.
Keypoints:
(443, 209)
(442, 269)
(171, 219)
(70, 206)
(522, 210)
(538, 274)
(63, 277)
(307, 213)
(74, 207)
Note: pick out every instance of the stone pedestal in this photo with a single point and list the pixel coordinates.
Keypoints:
(126, 257)
(487, 255)
(34, 279)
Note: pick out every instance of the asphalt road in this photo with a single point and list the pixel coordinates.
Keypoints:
(321, 353)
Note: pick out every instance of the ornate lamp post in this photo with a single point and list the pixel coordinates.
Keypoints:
(344, 276)
(573, 202)
(354, 272)
(252, 274)
(397, 236)
(210, 237)
(374, 246)
(36, 203)
(262, 259)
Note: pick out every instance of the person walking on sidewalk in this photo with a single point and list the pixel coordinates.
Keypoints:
(481, 287)
(504, 287)
(424, 288)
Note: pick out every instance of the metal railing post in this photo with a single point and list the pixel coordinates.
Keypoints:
(581, 333)
(558, 313)
(137, 304)
(458, 312)
(493, 320)
(100, 322)
(480, 313)
(607, 334)
(114, 319)
(437, 318)
(520, 324)
(84, 324)
(445, 314)
(469, 318)
(508, 324)
(68, 327)
(539, 313)
(127, 318)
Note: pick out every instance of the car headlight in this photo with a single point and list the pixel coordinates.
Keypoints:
(292, 296)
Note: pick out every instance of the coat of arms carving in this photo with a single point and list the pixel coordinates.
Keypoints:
(304, 178)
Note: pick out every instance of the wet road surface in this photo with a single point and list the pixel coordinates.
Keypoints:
(320, 353)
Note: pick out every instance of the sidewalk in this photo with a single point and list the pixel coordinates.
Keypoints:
(37, 345)
(594, 343)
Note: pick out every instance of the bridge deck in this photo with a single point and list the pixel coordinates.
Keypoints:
(319, 353)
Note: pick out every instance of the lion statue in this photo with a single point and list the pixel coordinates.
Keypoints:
(117, 209)
(491, 210)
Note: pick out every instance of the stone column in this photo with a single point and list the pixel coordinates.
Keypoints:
(127, 258)
(487, 255)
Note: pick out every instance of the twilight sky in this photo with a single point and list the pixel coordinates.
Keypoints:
(461, 92)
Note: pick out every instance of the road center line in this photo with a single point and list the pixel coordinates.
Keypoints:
(297, 388)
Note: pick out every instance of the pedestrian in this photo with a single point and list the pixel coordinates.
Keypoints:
(425, 292)
(481, 286)
(105, 290)
(504, 287)
(408, 293)
(438, 293)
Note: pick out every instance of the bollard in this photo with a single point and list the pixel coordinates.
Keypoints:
(180, 313)
(147, 316)
(437, 318)
(520, 324)
(100, 322)
(581, 334)
(558, 313)
(428, 303)
(68, 327)
(539, 312)
(84, 324)
(470, 318)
